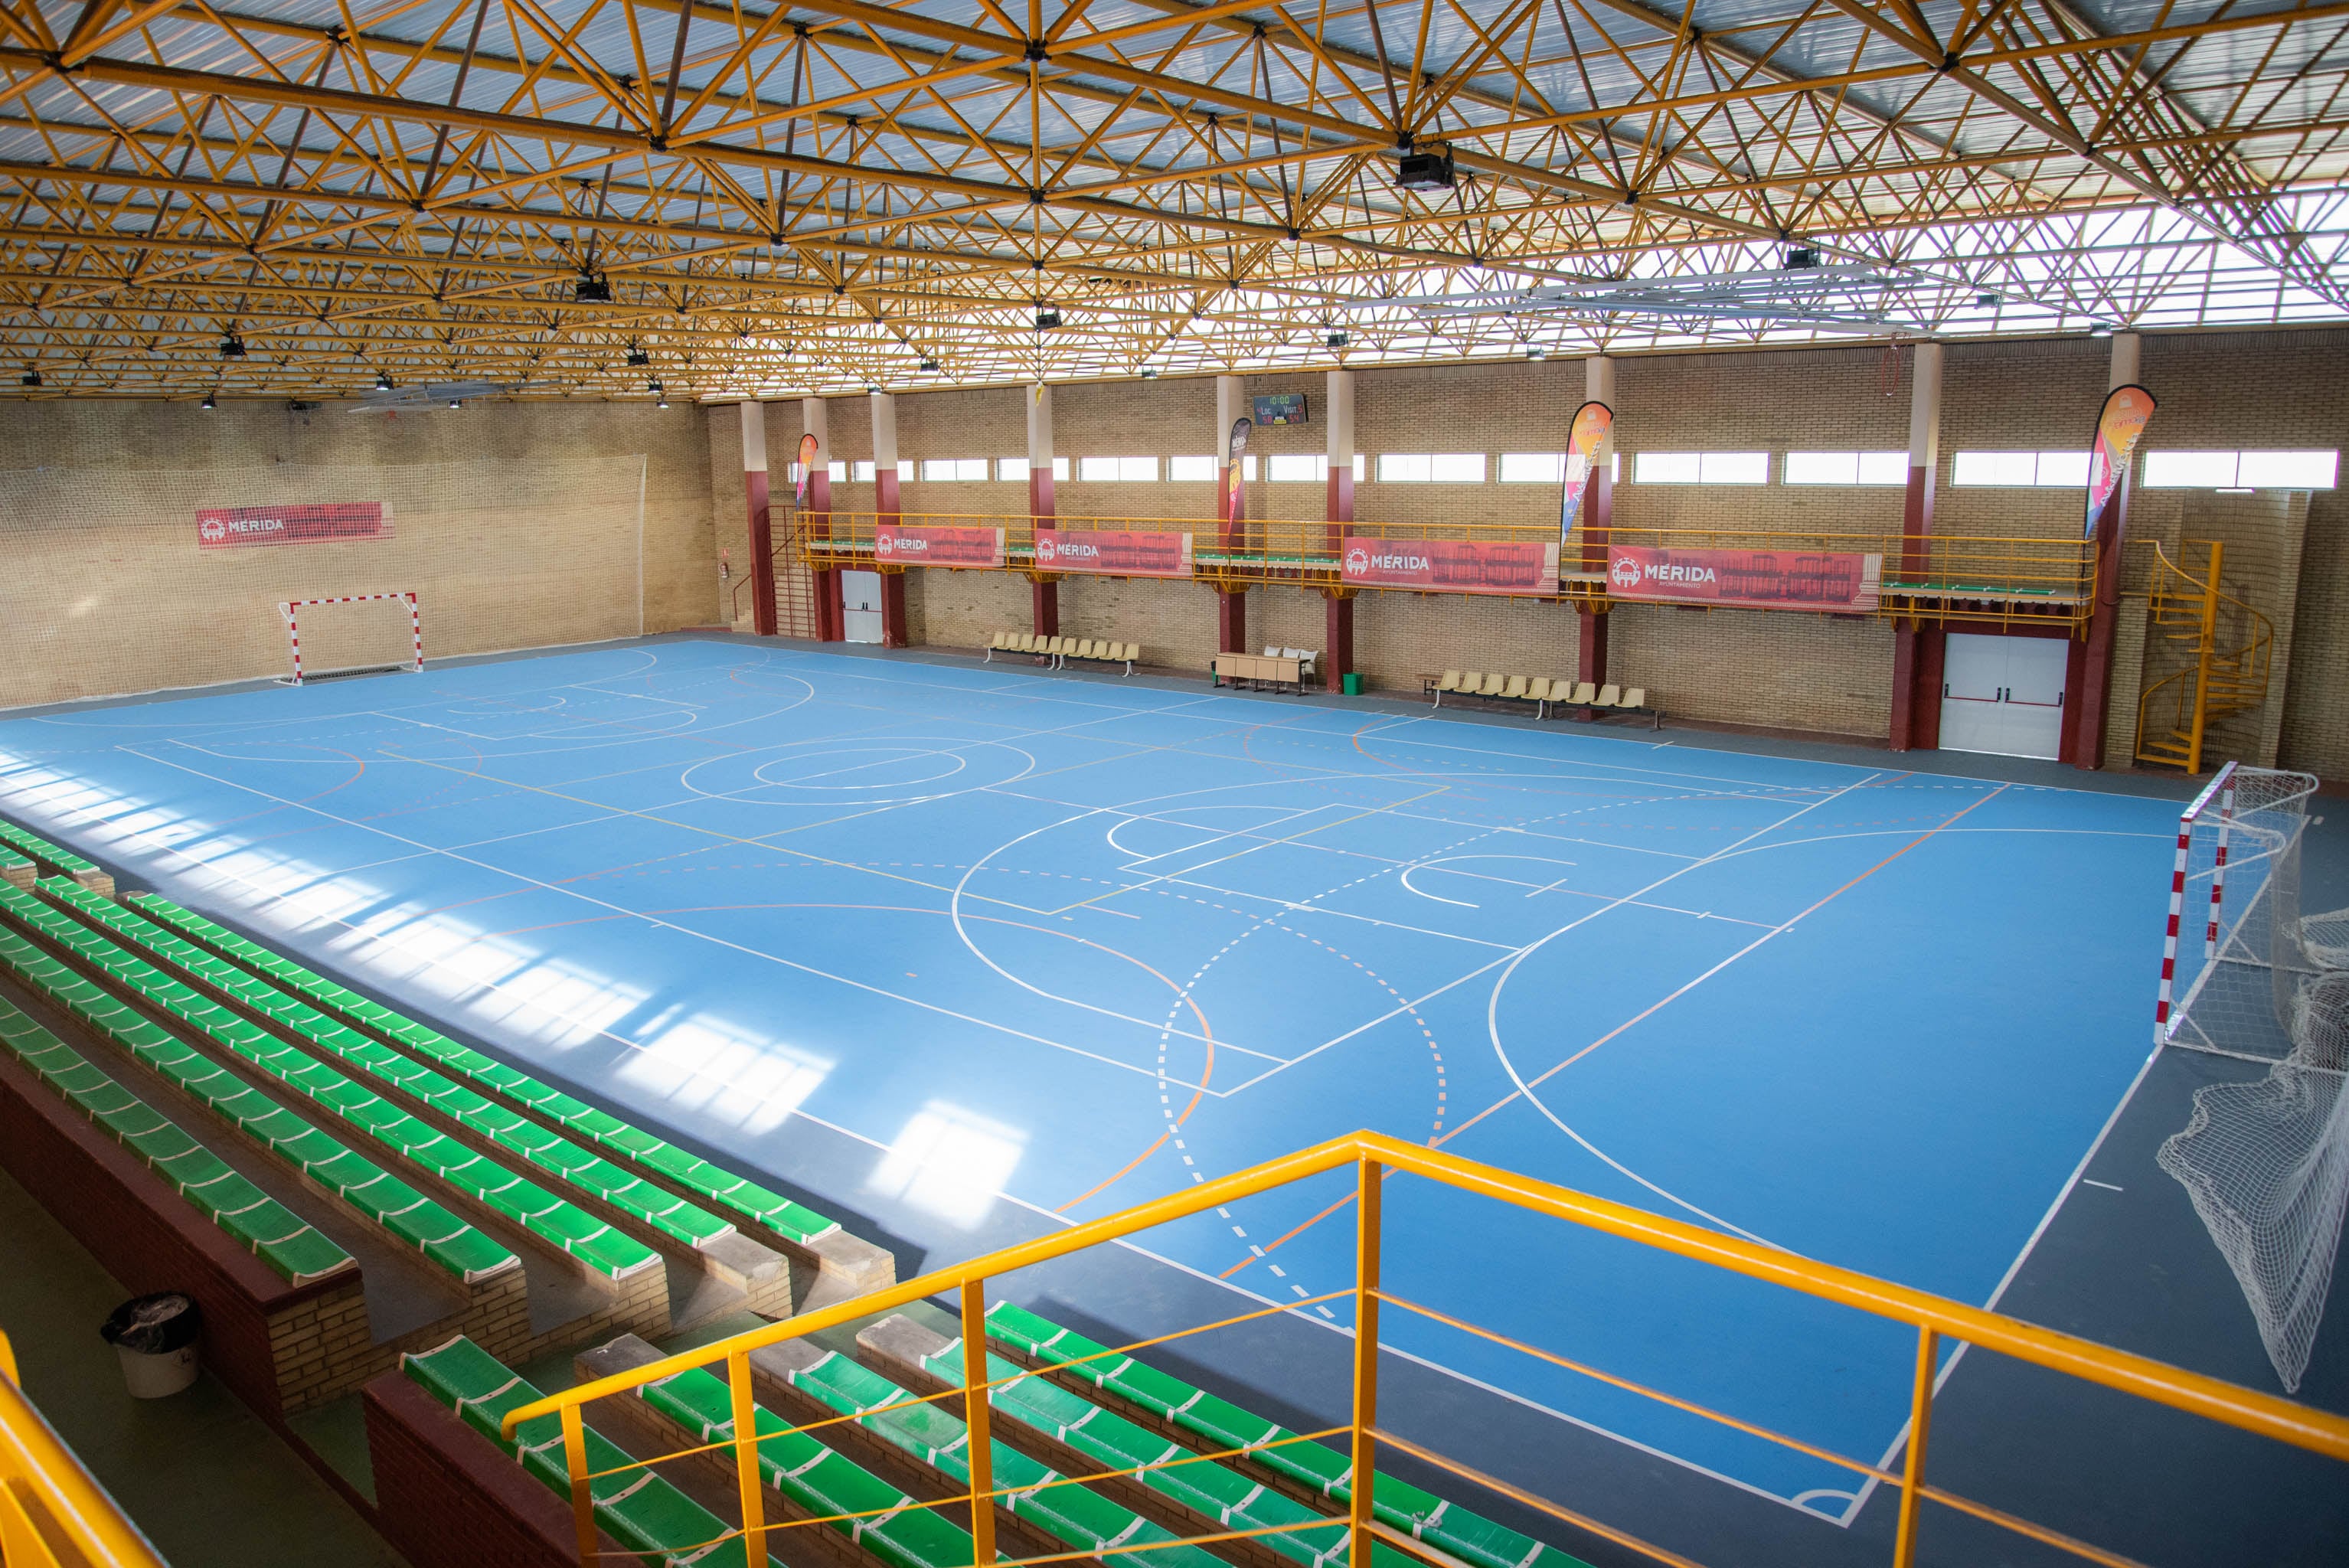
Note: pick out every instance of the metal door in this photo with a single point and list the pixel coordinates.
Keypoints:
(860, 606)
(2003, 695)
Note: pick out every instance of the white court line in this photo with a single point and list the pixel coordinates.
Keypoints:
(650, 920)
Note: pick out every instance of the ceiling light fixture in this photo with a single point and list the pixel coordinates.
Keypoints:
(32, 378)
(383, 381)
(231, 347)
(209, 403)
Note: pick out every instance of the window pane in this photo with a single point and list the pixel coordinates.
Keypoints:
(2189, 471)
(1736, 468)
(1358, 468)
(1247, 468)
(2288, 471)
(1096, 469)
(1060, 467)
(1190, 470)
(1457, 467)
(1667, 467)
(2063, 470)
(1011, 468)
(1533, 468)
(905, 469)
(1884, 469)
(1401, 467)
(863, 471)
(837, 472)
(1996, 468)
(1297, 468)
(1822, 468)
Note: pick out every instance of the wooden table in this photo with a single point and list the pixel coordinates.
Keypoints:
(1259, 670)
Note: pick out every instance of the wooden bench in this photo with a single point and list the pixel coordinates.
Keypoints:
(1259, 671)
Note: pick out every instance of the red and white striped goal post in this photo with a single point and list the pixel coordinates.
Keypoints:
(293, 622)
(2220, 791)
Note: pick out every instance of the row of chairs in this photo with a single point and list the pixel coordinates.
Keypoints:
(1544, 693)
(1304, 657)
(1061, 650)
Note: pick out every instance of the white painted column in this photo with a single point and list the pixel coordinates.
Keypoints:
(2125, 360)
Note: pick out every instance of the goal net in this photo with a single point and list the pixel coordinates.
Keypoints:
(2245, 974)
(353, 634)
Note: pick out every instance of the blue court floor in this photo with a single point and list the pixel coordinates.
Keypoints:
(1048, 947)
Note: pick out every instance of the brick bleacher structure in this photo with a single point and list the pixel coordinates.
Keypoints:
(152, 1062)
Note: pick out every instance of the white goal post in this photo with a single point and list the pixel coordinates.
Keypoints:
(2246, 974)
(409, 658)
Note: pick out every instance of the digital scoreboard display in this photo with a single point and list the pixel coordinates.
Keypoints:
(1281, 409)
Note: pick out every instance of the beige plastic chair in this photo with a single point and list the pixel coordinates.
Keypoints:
(1031, 644)
(1089, 649)
(1448, 681)
(1585, 693)
(1609, 696)
(1636, 697)
(1470, 680)
(1271, 651)
(1131, 653)
(1515, 688)
(1491, 687)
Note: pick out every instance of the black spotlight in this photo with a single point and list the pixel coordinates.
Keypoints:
(660, 395)
(1148, 375)
(231, 347)
(31, 379)
(1801, 256)
(1425, 170)
(209, 403)
(456, 402)
(929, 365)
(1047, 319)
(592, 290)
(1337, 340)
(383, 380)
(637, 356)
(1536, 351)
(1986, 301)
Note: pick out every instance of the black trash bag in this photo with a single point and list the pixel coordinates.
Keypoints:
(154, 1325)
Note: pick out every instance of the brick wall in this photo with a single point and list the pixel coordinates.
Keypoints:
(517, 523)
(446, 1497)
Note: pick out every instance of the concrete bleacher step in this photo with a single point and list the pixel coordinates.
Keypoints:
(296, 1250)
(1311, 1472)
(1187, 1496)
(636, 1508)
(54, 859)
(629, 1276)
(829, 1263)
(714, 1269)
(16, 871)
(923, 1449)
(867, 1523)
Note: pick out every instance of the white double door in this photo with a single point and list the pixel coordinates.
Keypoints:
(2003, 695)
(860, 606)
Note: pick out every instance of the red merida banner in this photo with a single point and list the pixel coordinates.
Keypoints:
(322, 522)
(1752, 579)
(2118, 429)
(1451, 565)
(904, 546)
(1113, 553)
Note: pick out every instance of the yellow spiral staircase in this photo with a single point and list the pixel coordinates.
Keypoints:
(2226, 645)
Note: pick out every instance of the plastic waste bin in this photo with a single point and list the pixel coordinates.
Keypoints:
(1351, 683)
(155, 1336)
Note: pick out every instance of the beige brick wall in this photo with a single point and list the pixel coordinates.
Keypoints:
(516, 522)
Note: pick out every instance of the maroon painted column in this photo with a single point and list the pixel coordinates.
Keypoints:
(1598, 517)
(888, 506)
(1337, 600)
(1231, 505)
(1043, 591)
(815, 421)
(2088, 669)
(761, 546)
(1916, 648)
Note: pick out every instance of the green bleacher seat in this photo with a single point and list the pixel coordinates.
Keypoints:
(41, 851)
(1077, 1516)
(1206, 1487)
(687, 1223)
(280, 1238)
(820, 1480)
(398, 1208)
(595, 1244)
(634, 1507)
(1217, 1424)
(722, 1188)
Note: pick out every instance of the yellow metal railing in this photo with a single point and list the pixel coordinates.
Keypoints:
(1939, 577)
(1372, 1159)
(53, 1512)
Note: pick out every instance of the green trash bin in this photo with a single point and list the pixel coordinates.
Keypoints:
(1351, 683)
